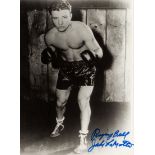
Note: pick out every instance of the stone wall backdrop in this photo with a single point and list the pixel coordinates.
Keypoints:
(107, 19)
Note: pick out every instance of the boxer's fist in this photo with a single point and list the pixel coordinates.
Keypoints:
(89, 58)
(49, 56)
(46, 55)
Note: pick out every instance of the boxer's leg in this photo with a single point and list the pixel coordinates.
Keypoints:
(62, 97)
(84, 104)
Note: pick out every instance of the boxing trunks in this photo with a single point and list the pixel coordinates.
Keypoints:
(77, 73)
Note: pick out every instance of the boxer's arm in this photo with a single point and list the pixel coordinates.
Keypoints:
(49, 54)
(48, 41)
(91, 43)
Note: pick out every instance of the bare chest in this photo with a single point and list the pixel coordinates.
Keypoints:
(65, 41)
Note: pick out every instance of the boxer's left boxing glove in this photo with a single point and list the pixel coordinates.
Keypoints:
(89, 58)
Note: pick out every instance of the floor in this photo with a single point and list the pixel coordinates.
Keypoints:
(38, 120)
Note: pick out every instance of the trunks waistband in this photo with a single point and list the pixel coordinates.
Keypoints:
(71, 63)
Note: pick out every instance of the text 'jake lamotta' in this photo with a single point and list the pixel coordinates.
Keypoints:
(115, 139)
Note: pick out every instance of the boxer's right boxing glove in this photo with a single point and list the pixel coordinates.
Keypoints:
(49, 56)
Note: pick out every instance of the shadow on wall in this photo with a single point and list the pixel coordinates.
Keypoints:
(105, 64)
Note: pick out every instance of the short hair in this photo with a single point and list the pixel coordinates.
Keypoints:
(60, 5)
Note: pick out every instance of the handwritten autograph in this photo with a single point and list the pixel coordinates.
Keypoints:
(115, 139)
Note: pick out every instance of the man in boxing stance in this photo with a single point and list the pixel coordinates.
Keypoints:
(78, 52)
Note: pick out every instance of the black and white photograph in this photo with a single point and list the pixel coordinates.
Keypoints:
(76, 77)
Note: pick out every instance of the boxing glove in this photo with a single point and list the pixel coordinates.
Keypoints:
(89, 58)
(49, 56)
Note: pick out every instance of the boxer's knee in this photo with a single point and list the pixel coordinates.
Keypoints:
(83, 102)
(61, 102)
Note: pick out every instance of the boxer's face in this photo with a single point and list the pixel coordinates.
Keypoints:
(61, 19)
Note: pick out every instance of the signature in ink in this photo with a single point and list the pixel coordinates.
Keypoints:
(115, 139)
